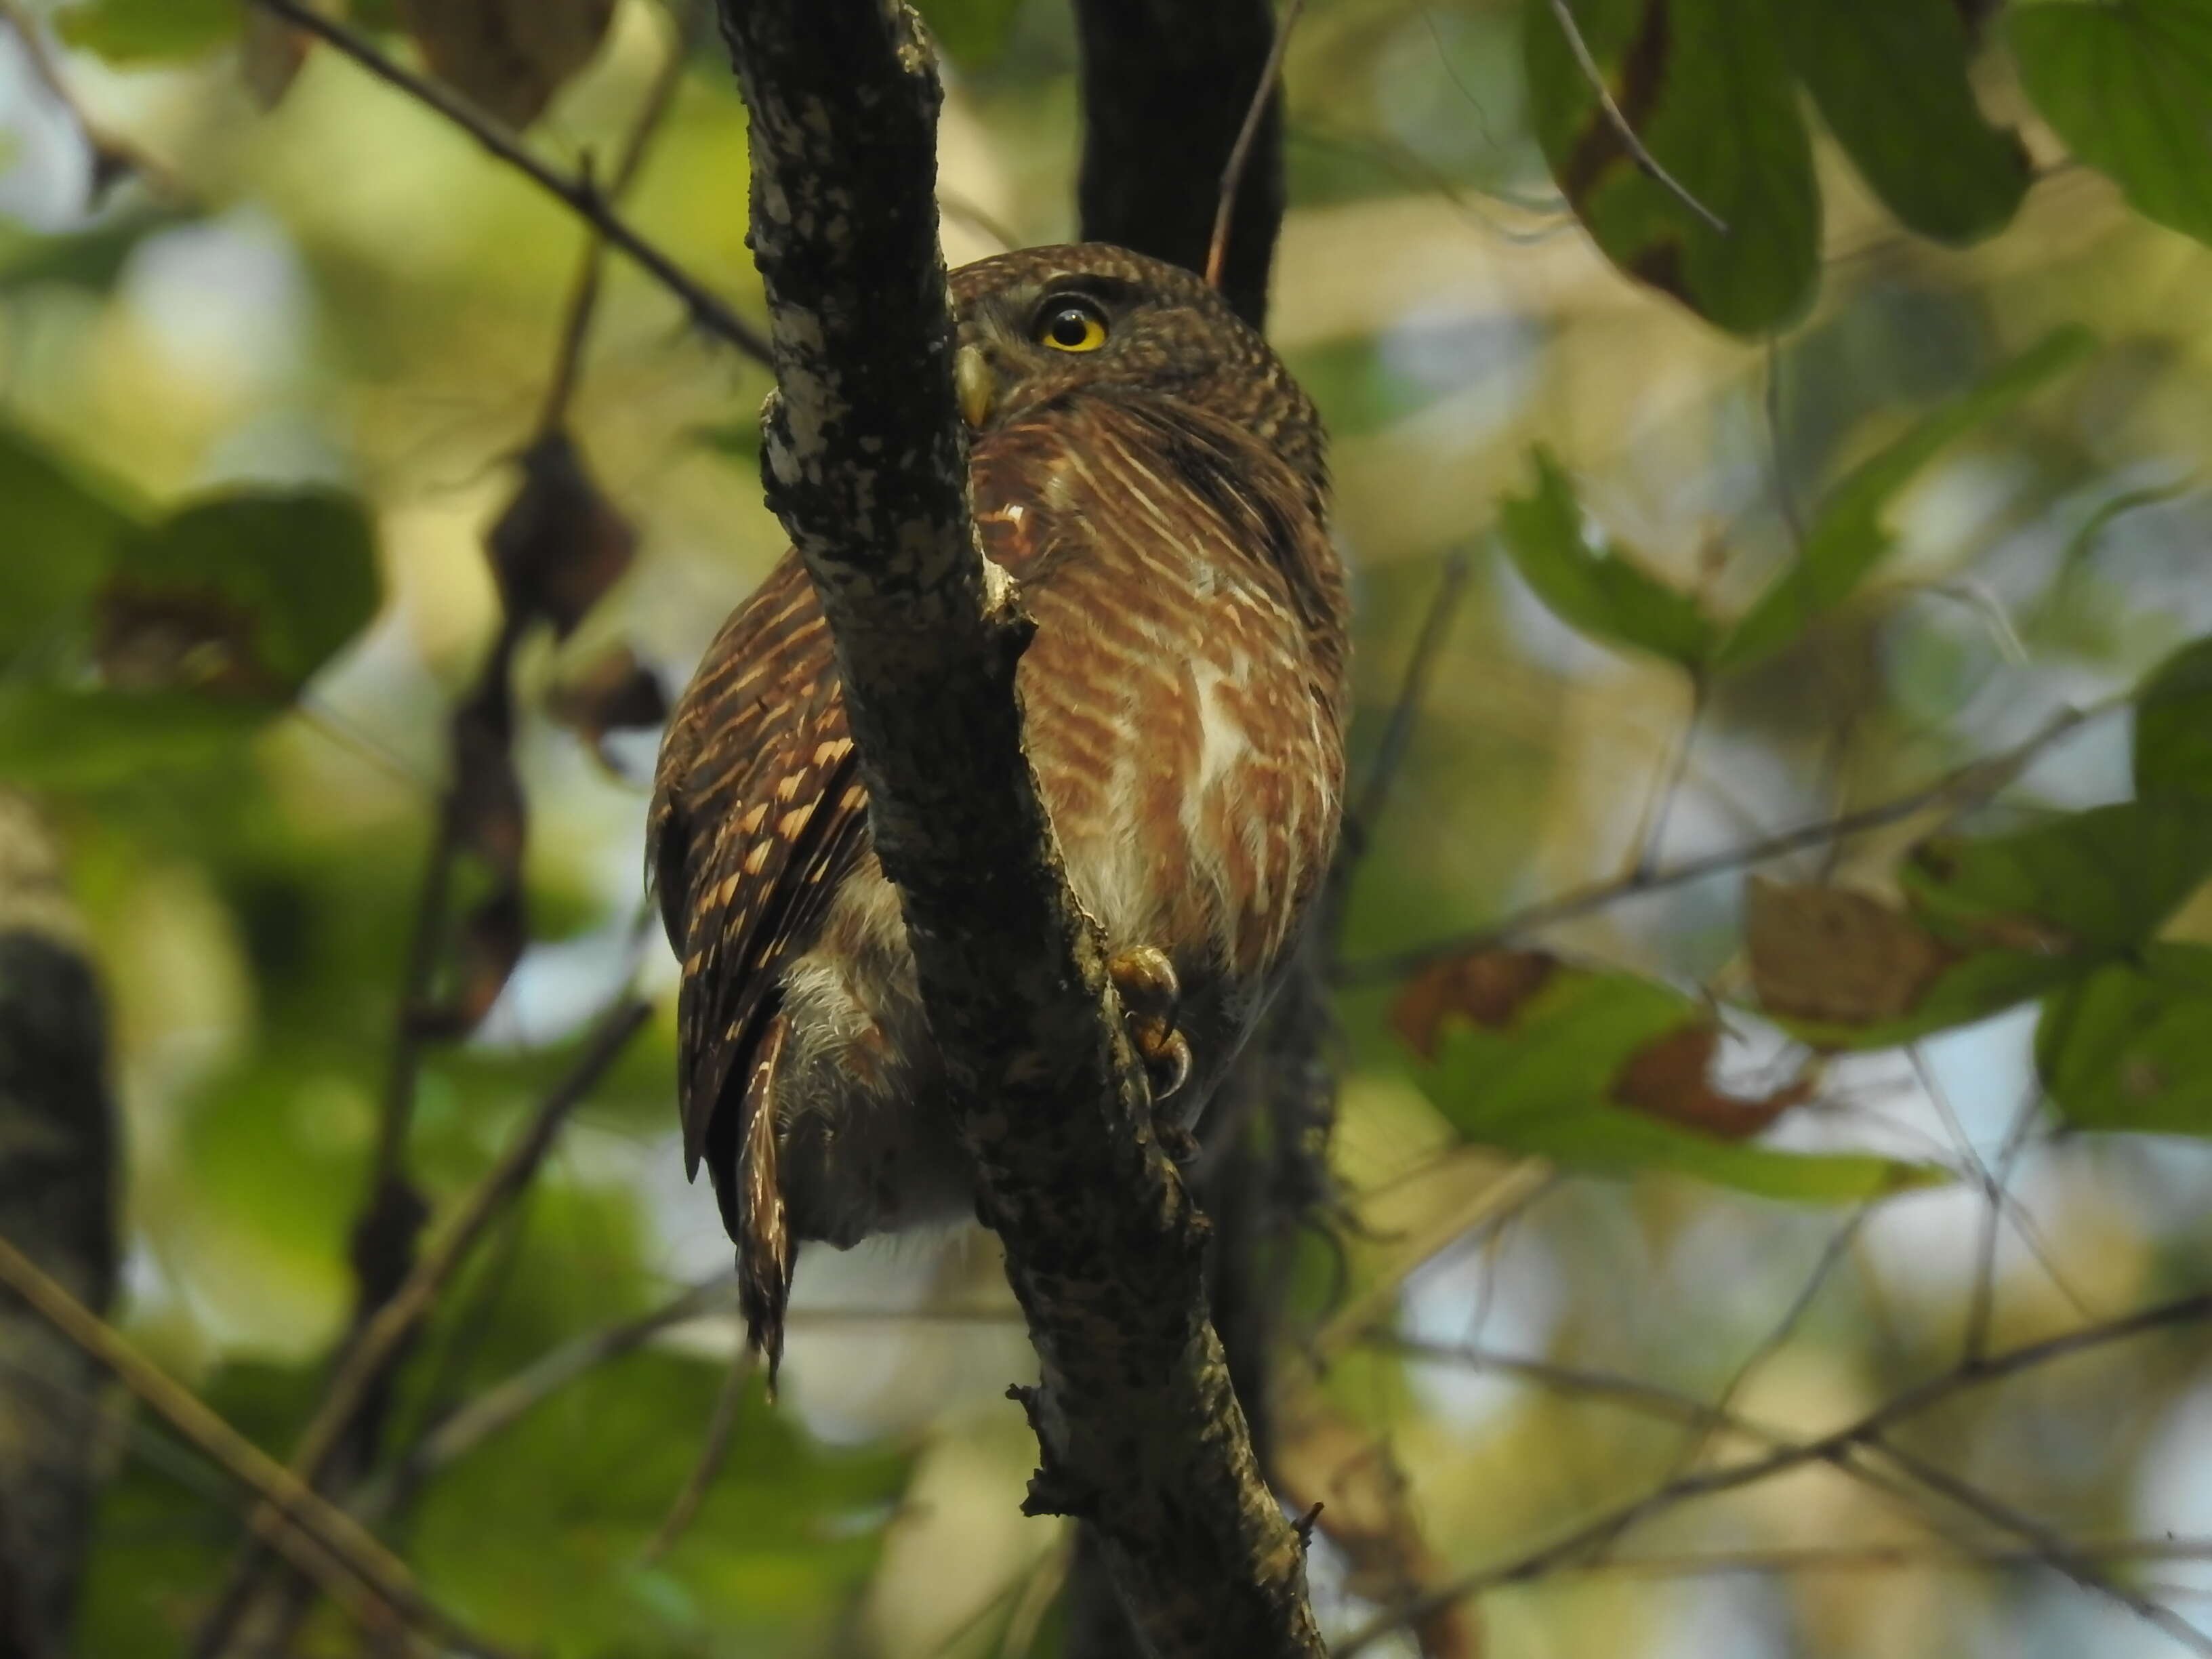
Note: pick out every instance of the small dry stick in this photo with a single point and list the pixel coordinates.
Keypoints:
(319, 1539)
(708, 310)
(1240, 153)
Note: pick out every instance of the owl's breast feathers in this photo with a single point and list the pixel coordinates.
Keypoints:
(1184, 705)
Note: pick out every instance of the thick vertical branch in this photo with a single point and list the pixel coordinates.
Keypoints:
(1166, 86)
(865, 462)
(57, 1170)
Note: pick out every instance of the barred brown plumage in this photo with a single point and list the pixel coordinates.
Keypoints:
(1149, 473)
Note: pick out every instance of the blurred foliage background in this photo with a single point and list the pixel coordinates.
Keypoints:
(275, 340)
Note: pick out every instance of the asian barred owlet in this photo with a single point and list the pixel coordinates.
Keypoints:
(1151, 476)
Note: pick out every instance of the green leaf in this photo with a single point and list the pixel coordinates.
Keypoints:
(971, 32)
(139, 32)
(88, 259)
(1600, 589)
(2130, 1046)
(2090, 882)
(773, 1544)
(60, 528)
(1847, 539)
(1970, 990)
(2126, 85)
(1703, 85)
(1542, 1084)
(1890, 77)
(61, 738)
(2173, 725)
(286, 577)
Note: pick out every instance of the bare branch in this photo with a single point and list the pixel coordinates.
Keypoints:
(1969, 784)
(318, 1538)
(1166, 89)
(865, 460)
(708, 311)
(1593, 1535)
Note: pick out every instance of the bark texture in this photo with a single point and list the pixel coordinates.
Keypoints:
(56, 1152)
(865, 462)
(1165, 87)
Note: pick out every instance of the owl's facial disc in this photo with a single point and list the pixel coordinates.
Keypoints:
(976, 385)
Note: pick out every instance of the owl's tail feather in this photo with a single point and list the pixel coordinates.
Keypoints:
(762, 1233)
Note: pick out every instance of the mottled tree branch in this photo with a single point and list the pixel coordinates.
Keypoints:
(864, 461)
(1166, 87)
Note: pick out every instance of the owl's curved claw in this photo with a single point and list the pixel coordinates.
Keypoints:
(1145, 981)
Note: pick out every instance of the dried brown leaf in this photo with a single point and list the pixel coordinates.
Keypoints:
(1835, 956)
(1487, 986)
(168, 639)
(509, 55)
(612, 692)
(1671, 1079)
(560, 544)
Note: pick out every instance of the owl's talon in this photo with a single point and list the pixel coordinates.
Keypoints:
(1145, 981)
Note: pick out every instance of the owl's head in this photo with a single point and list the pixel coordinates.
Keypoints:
(1043, 324)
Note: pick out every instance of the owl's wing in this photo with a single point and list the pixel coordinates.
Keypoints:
(758, 815)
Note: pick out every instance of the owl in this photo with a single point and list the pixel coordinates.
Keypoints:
(1147, 471)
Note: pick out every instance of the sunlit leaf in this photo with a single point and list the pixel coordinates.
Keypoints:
(2173, 726)
(1703, 85)
(1555, 1071)
(1599, 588)
(135, 31)
(2126, 85)
(1890, 77)
(2130, 1046)
(2087, 882)
(1846, 539)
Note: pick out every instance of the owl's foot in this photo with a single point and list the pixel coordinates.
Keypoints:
(1145, 980)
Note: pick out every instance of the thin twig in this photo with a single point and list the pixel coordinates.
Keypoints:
(1883, 1558)
(318, 1538)
(1644, 158)
(2056, 1551)
(1406, 707)
(506, 1403)
(1240, 153)
(383, 1340)
(720, 1432)
(1967, 784)
(584, 287)
(1596, 1532)
(708, 311)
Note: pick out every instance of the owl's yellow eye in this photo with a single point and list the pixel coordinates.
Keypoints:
(1071, 325)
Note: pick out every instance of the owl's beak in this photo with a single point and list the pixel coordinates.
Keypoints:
(975, 384)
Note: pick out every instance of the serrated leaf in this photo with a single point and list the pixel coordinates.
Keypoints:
(1846, 539)
(1599, 589)
(2127, 84)
(2130, 1046)
(2173, 725)
(141, 32)
(1890, 79)
(252, 591)
(1705, 87)
(1550, 1070)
